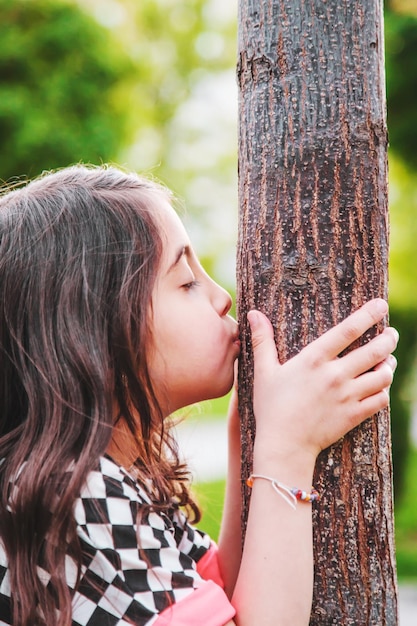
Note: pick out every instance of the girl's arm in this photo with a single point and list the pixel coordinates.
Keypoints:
(301, 407)
(230, 539)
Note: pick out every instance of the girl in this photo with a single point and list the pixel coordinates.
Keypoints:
(108, 325)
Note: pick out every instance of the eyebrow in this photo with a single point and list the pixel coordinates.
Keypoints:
(184, 250)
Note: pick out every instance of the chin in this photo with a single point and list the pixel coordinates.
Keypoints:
(206, 390)
(222, 391)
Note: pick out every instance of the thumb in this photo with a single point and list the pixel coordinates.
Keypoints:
(263, 343)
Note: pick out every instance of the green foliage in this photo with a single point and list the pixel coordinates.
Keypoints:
(403, 214)
(403, 305)
(58, 80)
(176, 44)
(178, 48)
(401, 70)
(402, 395)
(406, 524)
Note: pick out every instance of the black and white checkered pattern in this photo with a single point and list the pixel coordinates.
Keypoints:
(121, 584)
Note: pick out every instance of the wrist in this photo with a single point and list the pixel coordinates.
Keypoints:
(291, 495)
(290, 465)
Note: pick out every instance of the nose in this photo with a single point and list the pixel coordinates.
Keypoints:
(222, 300)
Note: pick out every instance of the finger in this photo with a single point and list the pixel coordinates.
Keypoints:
(372, 404)
(373, 382)
(264, 350)
(391, 362)
(337, 339)
(372, 353)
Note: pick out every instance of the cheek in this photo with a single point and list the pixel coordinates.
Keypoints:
(186, 342)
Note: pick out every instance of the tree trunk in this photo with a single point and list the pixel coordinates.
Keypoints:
(312, 247)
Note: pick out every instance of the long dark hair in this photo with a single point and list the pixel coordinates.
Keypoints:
(79, 254)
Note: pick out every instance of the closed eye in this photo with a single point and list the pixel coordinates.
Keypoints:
(190, 285)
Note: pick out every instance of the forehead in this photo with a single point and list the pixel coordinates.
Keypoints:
(173, 230)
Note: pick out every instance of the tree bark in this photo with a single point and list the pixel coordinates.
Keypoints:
(312, 247)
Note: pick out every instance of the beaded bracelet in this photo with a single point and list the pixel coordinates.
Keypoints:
(289, 494)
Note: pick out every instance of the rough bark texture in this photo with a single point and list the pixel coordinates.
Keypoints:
(313, 247)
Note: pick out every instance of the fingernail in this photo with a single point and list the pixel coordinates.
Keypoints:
(381, 306)
(392, 361)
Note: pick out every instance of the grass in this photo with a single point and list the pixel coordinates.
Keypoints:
(211, 495)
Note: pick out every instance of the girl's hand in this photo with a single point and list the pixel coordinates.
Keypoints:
(316, 397)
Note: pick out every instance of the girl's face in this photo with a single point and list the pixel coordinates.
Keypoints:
(195, 341)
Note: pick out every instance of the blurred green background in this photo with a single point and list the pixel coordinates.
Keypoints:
(151, 85)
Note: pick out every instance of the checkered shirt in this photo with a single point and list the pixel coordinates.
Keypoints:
(121, 584)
